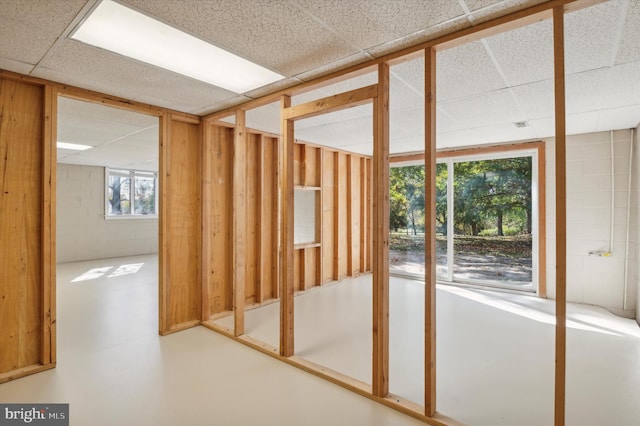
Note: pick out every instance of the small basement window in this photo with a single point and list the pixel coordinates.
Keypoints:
(130, 194)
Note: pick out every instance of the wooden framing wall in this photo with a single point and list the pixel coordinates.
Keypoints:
(190, 290)
(27, 234)
(180, 303)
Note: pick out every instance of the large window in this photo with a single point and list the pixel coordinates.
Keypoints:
(130, 193)
(486, 219)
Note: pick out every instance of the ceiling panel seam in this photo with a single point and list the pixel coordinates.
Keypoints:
(61, 38)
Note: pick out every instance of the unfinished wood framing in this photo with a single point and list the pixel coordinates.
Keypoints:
(430, 232)
(196, 223)
(286, 233)
(561, 216)
(180, 225)
(380, 380)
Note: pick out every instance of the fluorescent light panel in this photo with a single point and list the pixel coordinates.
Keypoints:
(119, 29)
(74, 146)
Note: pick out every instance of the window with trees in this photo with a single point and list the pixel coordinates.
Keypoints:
(130, 193)
(485, 219)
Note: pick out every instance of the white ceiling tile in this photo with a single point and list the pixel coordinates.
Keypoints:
(412, 143)
(220, 105)
(483, 110)
(369, 24)
(272, 33)
(584, 91)
(406, 123)
(30, 28)
(265, 118)
(88, 111)
(329, 67)
(336, 88)
(15, 66)
(106, 72)
(454, 139)
(590, 37)
(402, 96)
(273, 87)
(334, 118)
(421, 36)
(525, 55)
(629, 47)
(465, 71)
(536, 99)
(584, 122)
(362, 149)
(543, 127)
(619, 118)
(502, 8)
(341, 133)
(411, 73)
(474, 5)
(623, 86)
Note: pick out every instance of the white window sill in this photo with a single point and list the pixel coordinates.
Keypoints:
(131, 217)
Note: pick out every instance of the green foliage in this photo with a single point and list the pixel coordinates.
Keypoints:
(491, 197)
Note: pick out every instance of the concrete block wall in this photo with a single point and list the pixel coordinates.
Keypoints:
(593, 279)
(82, 231)
(304, 216)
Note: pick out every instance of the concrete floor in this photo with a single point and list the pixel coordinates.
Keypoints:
(495, 358)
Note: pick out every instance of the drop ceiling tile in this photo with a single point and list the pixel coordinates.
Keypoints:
(585, 91)
(337, 118)
(401, 96)
(590, 37)
(273, 87)
(30, 28)
(629, 47)
(273, 33)
(407, 144)
(343, 133)
(584, 122)
(220, 105)
(106, 72)
(362, 149)
(336, 88)
(421, 36)
(474, 5)
(500, 9)
(80, 111)
(265, 118)
(15, 66)
(407, 122)
(543, 127)
(619, 118)
(488, 109)
(369, 25)
(454, 139)
(623, 86)
(465, 71)
(536, 99)
(329, 67)
(525, 55)
(411, 73)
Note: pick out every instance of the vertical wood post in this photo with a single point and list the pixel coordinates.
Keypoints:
(207, 208)
(380, 382)
(49, 227)
(164, 319)
(239, 221)
(430, 232)
(286, 233)
(561, 215)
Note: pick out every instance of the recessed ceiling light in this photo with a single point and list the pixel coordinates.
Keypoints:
(117, 28)
(74, 146)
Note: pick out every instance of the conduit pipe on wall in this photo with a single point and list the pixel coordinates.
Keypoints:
(613, 194)
(626, 250)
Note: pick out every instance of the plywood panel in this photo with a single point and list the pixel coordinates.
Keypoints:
(180, 224)
(328, 201)
(21, 210)
(220, 292)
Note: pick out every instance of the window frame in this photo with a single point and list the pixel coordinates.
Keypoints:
(132, 176)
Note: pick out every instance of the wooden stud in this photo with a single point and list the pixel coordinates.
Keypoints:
(336, 216)
(363, 215)
(261, 230)
(319, 217)
(430, 233)
(163, 265)
(286, 236)
(207, 209)
(561, 216)
(380, 380)
(239, 240)
(49, 226)
(542, 222)
(331, 104)
(349, 207)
